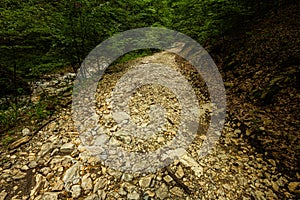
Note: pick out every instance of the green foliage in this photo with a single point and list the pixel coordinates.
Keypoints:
(38, 37)
(133, 55)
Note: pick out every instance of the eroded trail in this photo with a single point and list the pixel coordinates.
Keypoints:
(55, 165)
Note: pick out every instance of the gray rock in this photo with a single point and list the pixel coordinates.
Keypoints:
(32, 164)
(121, 191)
(177, 191)
(99, 184)
(120, 117)
(76, 191)
(67, 148)
(72, 176)
(24, 168)
(168, 178)
(127, 177)
(86, 183)
(114, 142)
(115, 173)
(162, 192)
(133, 196)
(145, 181)
(39, 179)
(26, 132)
(46, 148)
(84, 156)
(100, 140)
(50, 196)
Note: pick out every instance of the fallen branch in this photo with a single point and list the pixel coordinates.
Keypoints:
(178, 181)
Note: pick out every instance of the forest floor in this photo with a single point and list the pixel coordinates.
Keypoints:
(256, 157)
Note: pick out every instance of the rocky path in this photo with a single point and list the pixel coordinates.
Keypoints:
(53, 164)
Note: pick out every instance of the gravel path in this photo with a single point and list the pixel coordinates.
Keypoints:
(54, 164)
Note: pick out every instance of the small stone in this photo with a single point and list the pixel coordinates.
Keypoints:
(177, 191)
(67, 148)
(162, 192)
(39, 179)
(58, 185)
(248, 132)
(93, 160)
(84, 156)
(99, 184)
(101, 140)
(160, 139)
(262, 128)
(293, 186)
(50, 196)
(115, 173)
(114, 142)
(86, 183)
(72, 176)
(45, 171)
(188, 161)
(145, 181)
(32, 164)
(133, 196)
(226, 186)
(150, 193)
(46, 148)
(26, 132)
(19, 175)
(168, 178)
(120, 117)
(122, 192)
(16, 197)
(6, 165)
(125, 139)
(26, 197)
(76, 191)
(3, 194)
(92, 197)
(272, 162)
(24, 168)
(179, 172)
(159, 178)
(259, 195)
(275, 186)
(237, 131)
(127, 177)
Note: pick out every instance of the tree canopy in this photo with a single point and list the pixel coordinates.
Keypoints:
(37, 37)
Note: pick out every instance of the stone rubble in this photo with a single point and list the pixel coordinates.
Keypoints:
(54, 164)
